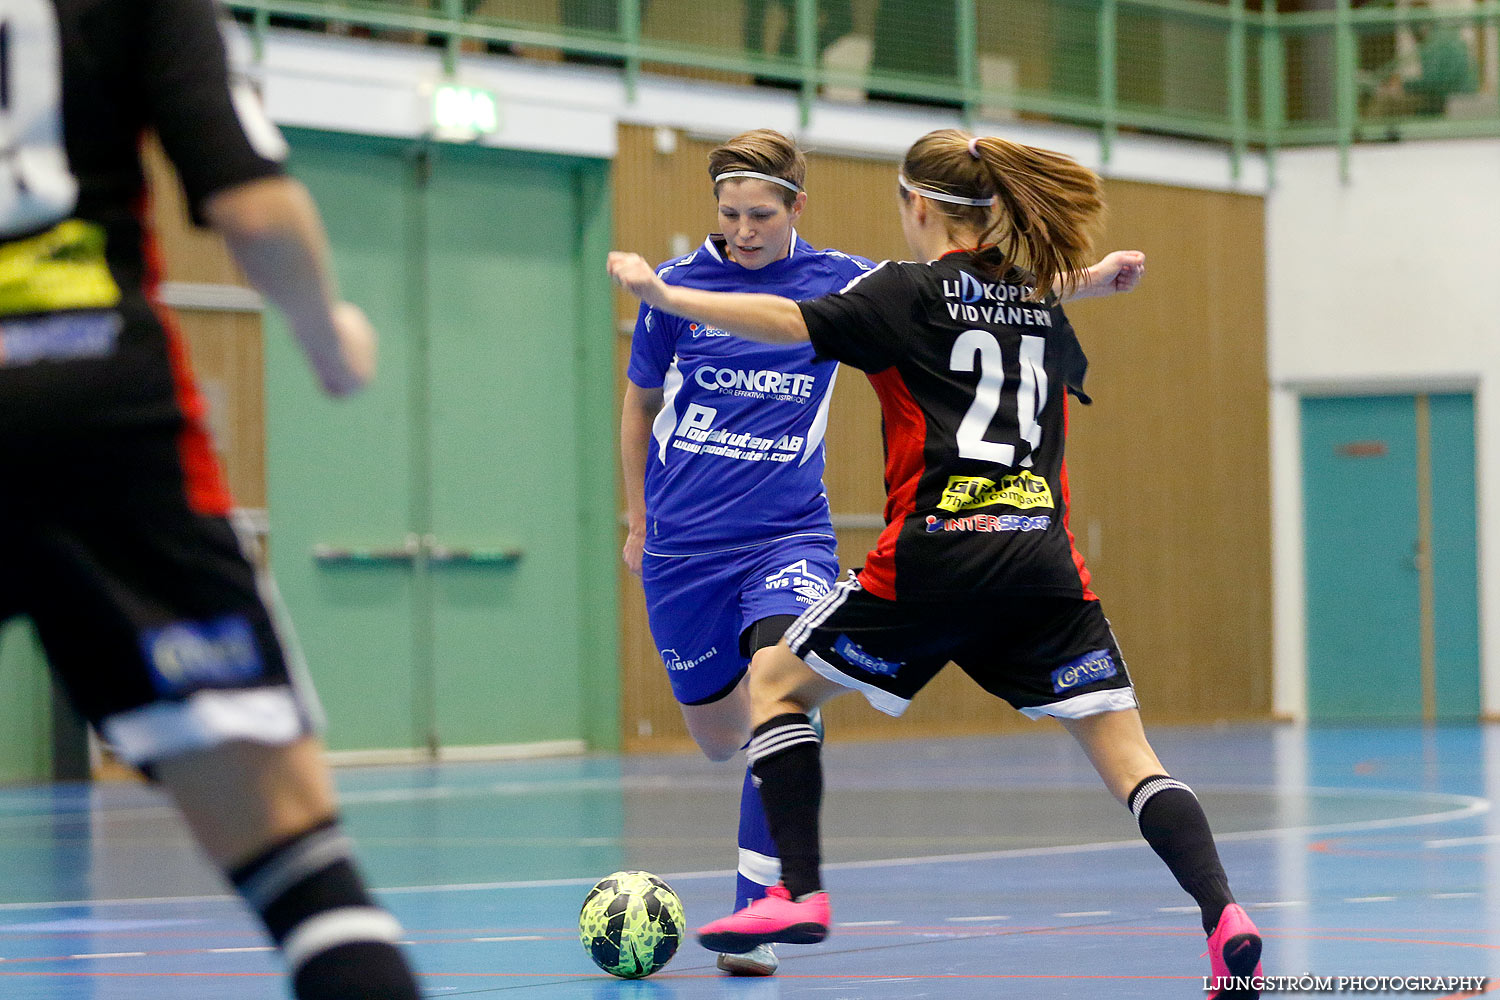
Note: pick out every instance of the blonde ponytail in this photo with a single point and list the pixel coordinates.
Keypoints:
(1047, 208)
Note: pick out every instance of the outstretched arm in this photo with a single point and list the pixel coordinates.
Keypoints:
(769, 319)
(1119, 272)
(274, 232)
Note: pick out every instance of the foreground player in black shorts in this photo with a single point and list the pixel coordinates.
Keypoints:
(113, 513)
(976, 564)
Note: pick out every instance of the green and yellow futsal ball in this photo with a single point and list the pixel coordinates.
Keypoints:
(631, 924)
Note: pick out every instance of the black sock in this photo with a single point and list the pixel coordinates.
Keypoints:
(336, 941)
(785, 759)
(1173, 824)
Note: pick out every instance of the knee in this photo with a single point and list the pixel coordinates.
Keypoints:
(720, 750)
(779, 683)
(719, 732)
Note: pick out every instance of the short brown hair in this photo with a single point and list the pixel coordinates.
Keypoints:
(1047, 205)
(764, 151)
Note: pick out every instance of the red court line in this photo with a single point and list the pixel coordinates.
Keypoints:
(1049, 976)
(146, 975)
(206, 932)
(657, 978)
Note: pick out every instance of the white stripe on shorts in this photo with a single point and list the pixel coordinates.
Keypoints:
(206, 719)
(879, 698)
(281, 622)
(326, 931)
(1084, 705)
(813, 617)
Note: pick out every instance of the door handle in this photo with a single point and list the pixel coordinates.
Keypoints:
(414, 548)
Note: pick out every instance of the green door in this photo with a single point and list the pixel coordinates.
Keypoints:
(444, 541)
(1392, 590)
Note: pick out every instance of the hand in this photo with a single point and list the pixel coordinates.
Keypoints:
(353, 366)
(1116, 274)
(635, 545)
(631, 272)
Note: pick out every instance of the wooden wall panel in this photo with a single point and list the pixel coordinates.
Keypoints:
(224, 347)
(1169, 467)
(192, 254)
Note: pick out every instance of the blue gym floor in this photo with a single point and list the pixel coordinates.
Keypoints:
(960, 868)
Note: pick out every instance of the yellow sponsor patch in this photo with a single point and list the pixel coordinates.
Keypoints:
(63, 268)
(1023, 490)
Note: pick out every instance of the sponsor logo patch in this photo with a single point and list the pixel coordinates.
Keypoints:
(759, 383)
(697, 434)
(1087, 669)
(675, 662)
(60, 337)
(989, 522)
(809, 587)
(1024, 490)
(187, 656)
(845, 647)
(699, 330)
(62, 268)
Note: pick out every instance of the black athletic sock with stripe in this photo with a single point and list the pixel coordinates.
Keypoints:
(786, 759)
(336, 941)
(1173, 824)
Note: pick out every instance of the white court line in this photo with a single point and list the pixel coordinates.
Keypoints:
(1461, 842)
(68, 904)
(869, 923)
(238, 951)
(1369, 899)
(1467, 807)
(1177, 909)
(1454, 895)
(519, 937)
(1084, 913)
(113, 954)
(975, 920)
(1279, 904)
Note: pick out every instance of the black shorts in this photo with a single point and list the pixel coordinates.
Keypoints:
(116, 544)
(1045, 655)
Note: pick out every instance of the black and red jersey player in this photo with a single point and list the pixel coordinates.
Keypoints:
(976, 565)
(113, 511)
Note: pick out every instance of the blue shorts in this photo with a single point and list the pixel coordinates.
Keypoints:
(701, 606)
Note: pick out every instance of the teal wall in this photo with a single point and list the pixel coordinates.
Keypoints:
(26, 709)
(490, 427)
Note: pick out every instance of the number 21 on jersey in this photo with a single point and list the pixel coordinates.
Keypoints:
(36, 187)
(981, 347)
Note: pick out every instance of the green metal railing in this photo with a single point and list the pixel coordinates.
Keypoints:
(1204, 69)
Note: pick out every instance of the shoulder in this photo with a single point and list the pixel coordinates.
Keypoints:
(889, 272)
(844, 264)
(678, 268)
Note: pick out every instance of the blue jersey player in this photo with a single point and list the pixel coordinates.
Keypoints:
(722, 453)
(722, 449)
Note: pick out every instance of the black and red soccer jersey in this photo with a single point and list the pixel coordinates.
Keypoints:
(973, 379)
(81, 84)
(112, 507)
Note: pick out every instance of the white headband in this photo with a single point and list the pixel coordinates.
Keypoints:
(952, 199)
(758, 176)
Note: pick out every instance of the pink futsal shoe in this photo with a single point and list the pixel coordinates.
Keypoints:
(771, 920)
(1234, 956)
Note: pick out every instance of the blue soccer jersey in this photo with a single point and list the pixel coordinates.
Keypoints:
(737, 455)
